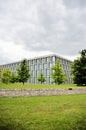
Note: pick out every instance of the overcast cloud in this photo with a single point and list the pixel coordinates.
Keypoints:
(31, 28)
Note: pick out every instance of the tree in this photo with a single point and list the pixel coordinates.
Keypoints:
(6, 76)
(23, 72)
(79, 69)
(13, 78)
(41, 78)
(58, 75)
(0, 73)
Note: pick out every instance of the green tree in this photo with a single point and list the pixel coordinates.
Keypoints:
(13, 78)
(6, 76)
(58, 74)
(23, 72)
(0, 73)
(41, 78)
(79, 69)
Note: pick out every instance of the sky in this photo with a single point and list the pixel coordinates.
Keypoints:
(31, 28)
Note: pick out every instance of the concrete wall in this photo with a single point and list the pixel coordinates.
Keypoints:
(40, 92)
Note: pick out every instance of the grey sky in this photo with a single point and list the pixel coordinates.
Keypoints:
(31, 28)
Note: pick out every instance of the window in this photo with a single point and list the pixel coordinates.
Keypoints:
(51, 71)
(31, 67)
(35, 73)
(48, 59)
(30, 62)
(35, 67)
(51, 80)
(48, 65)
(51, 65)
(43, 60)
(45, 72)
(32, 73)
(38, 72)
(45, 65)
(53, 58)
(35, 80)
(33, 61)
(48, 80)
(48, 72)
(31, 80)
(40, 67)
(38, 61)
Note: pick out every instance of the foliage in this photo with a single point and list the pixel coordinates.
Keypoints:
(41, 78)
(47, 113)
(79, 69)
(58, 75)
(0, 73)
(23, 72)
(13, 78)
(6, 76)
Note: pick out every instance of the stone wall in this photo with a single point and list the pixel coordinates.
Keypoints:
(40, 92)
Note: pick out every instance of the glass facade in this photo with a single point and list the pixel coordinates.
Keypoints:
(44, 65)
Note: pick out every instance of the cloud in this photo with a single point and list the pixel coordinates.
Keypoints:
(75, 3)
(42, 26)
(14, 52)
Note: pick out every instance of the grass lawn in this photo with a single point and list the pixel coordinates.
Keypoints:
(43, 113)
(20, 85)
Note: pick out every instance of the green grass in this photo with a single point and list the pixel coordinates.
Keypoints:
(20, 85)
(43, 113)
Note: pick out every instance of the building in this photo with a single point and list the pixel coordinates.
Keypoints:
(43, 64)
